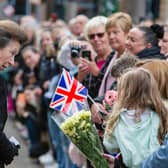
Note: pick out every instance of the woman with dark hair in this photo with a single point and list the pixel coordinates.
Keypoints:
(143, 41)
(11, 38)
(163, 43)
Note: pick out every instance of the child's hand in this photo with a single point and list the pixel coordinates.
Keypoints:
(110, 159)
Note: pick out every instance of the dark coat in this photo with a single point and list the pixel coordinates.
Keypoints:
(92, 83)
(151, 53)
(7, 149)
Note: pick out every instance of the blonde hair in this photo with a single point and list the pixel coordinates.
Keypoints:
(121, 19)
(159, 69)
(138, 90)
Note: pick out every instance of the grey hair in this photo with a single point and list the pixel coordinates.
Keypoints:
(165, 28)
(94, 22)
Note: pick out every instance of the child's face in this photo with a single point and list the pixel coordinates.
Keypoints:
(30, 58)
(29, 95)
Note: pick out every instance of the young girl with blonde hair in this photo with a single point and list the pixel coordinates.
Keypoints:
(138, 123)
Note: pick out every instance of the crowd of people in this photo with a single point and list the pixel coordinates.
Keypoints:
(105, 54)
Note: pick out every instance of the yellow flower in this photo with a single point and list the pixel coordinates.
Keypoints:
(79, 129)
(82, 124)
(73, 125)
(88, 125)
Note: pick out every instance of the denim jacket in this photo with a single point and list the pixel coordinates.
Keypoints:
(159, 158)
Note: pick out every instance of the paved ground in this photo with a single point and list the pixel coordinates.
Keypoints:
(22, 161)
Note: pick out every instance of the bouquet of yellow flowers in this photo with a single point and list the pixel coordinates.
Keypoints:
(80, 129)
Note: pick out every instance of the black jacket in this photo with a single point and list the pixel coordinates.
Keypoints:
(151, 53)
(7, 149)
(92, 83)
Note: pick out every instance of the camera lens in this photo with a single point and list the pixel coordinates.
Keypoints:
(75, 53)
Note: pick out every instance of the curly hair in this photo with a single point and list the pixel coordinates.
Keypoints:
(121, 64)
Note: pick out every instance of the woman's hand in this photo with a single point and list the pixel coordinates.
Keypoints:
(110, 159)
(91, 66)
(77, 44)
(82, 72)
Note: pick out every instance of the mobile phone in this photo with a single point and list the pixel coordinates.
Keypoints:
(86, 54)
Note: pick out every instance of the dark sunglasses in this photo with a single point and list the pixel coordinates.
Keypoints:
(99, 35)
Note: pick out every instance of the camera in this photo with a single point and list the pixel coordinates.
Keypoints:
(75, 51)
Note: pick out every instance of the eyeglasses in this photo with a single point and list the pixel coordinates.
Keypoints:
(99, 35)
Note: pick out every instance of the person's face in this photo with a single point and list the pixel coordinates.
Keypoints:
(29, 95)
(163, 43)
(8, 53)
(46, 39)
(79, 25)
(30, 34)
(30, 58)
(135, 41)
(117, 38)
(98, 39)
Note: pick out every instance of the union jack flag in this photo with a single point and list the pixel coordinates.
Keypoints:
(69, 95)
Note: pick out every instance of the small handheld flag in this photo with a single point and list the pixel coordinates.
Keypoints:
(69, 95)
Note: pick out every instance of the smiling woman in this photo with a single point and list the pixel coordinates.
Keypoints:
(93, 71)
(163, 43)
(11, 38)
(7, 54)
(143, 42)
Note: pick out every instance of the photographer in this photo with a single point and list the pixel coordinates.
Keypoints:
(81, 49)
(96, 35)
(11, 38)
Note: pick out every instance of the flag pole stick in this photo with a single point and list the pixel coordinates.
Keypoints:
(91, 99)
